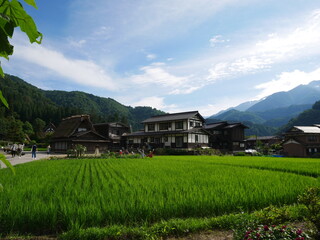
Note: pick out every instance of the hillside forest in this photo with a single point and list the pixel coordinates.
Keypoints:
(31, 109)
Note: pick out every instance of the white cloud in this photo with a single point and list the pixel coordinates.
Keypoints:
(82, 72)
(156, 74)
(151, 56)
(287, 81)
(216, 40)
(283, 47)
(155, 102)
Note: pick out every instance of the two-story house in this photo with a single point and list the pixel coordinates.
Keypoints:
(113, 131)
(177, 130)
(228, 137)
(302, 141)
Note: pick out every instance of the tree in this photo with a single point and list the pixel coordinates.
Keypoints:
(15, 132)
(13, 15)
(38, 126)
(28, 129)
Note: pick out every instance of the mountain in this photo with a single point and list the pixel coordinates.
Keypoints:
(306, 118)
(241, 107)
(275, 110)
(28, 102)
(238, 116)
(303, 94)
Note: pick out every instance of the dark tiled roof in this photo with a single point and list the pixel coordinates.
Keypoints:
(215, 125)
(262, 138)
(232, 125)
(223, 125)
(173, 117)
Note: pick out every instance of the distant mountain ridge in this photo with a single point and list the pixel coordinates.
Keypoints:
(276, 109)
(302, 94)
(276, 112)
(28, 102)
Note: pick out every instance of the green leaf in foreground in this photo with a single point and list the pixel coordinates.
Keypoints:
(32, 3)
(7, 163)
(3, 100)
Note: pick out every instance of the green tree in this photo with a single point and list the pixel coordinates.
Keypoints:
(15, 132)
(38, 127)
(28, 129)
(13, 15)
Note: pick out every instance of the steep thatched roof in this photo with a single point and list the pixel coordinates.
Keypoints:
(69, 126)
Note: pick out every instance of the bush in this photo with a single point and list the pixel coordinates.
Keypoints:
(275, 232)
(171, 151)
(207, 152)
(311, 200)
(78, 151)
(110, 155)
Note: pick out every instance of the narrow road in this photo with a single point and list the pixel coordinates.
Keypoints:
(27, 157)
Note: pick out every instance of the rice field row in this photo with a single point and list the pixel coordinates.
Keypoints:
(52, 196)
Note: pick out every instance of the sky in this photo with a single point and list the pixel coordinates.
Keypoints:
(173, 55)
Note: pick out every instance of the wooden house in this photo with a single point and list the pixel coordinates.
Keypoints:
(77, 130)
(49, 129)
(114, 132)
(251, 142)
(228, 137)
(178, 130)
(302, 141)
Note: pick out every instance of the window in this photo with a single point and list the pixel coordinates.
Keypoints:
(215, 132)
(165, 139)
(235, 143)
(164, 126)
(198, 124)
(130, 141)
(196, 138)
(157, 140)
(152, 139)
(82, 129)
(179, 125)
(151, 127)
(191, 124)
(312, 138)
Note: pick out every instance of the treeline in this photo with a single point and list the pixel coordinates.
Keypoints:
(31, 109)
(306, 118)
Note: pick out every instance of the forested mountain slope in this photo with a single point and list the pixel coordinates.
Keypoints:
(28, 103)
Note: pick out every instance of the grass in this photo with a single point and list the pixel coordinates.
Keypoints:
(51, 197)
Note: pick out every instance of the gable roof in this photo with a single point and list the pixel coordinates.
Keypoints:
(223, 125)
(174, 117)
(68, 126)
(305, 129)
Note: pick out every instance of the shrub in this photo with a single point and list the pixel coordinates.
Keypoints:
(275, 232)
(78, 151)
(171, 151)
(311, 199)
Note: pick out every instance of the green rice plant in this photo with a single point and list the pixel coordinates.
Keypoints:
(49, 197)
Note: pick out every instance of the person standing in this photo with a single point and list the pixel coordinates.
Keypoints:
(14, 149)
(48, 149)
(20, 149)
(34, 151)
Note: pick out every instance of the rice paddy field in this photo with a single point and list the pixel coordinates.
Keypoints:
(52, 196)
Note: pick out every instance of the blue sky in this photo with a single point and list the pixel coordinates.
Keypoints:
(174, 55)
